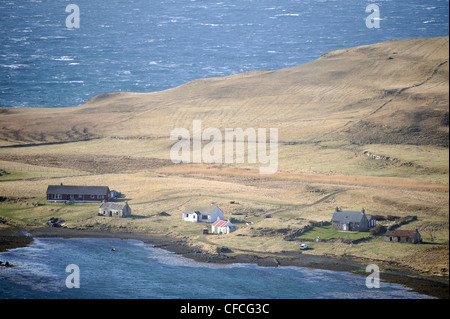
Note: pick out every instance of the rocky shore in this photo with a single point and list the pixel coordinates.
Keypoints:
(11, 238)
(14, 238)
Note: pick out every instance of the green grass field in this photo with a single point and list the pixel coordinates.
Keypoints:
(327, 232)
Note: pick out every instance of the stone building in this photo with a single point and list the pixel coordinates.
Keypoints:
(350, 220)
(113, 209)
(403, 236)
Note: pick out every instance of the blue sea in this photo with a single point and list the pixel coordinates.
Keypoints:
(136, 270)
(153, 45)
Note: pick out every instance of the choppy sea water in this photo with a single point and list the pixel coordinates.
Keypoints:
(136, 270)
(152, 45)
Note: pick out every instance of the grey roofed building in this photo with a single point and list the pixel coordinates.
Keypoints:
(350, 220)
(200, 209)
(115, 209)
(71, 189)
(74, 193)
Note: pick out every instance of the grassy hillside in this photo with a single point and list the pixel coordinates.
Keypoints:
(392, 92)
(361, 127)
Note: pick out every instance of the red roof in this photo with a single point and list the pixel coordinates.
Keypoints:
(220, 223)
(401, 233)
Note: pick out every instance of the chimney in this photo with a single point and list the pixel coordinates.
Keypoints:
(61, 184)
(363, 211)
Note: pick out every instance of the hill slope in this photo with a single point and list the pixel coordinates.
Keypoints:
(391, 92)
(388, 94)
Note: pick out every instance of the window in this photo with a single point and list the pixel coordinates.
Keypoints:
(56, 196)
(92, 196)
(100, 196)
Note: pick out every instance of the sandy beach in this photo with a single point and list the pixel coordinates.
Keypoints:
(13, 238)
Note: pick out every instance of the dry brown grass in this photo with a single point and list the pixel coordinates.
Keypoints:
(371, 93)
(319, 109)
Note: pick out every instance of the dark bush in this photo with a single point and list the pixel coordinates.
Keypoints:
(378, 230)
(392, 218)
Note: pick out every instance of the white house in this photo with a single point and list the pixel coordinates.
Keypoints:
(222, 227)
(202, 213)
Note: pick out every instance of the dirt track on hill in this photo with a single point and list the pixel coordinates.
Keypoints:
(124, 164)
(231, 173)
(89, 163)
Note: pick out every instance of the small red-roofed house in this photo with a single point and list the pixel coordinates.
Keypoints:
(222, 227)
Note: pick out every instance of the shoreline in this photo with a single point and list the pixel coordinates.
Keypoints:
(434, 287)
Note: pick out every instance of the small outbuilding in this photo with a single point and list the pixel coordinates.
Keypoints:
(115, 209)
(372, 221)
(222, 227)
(403, 236)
